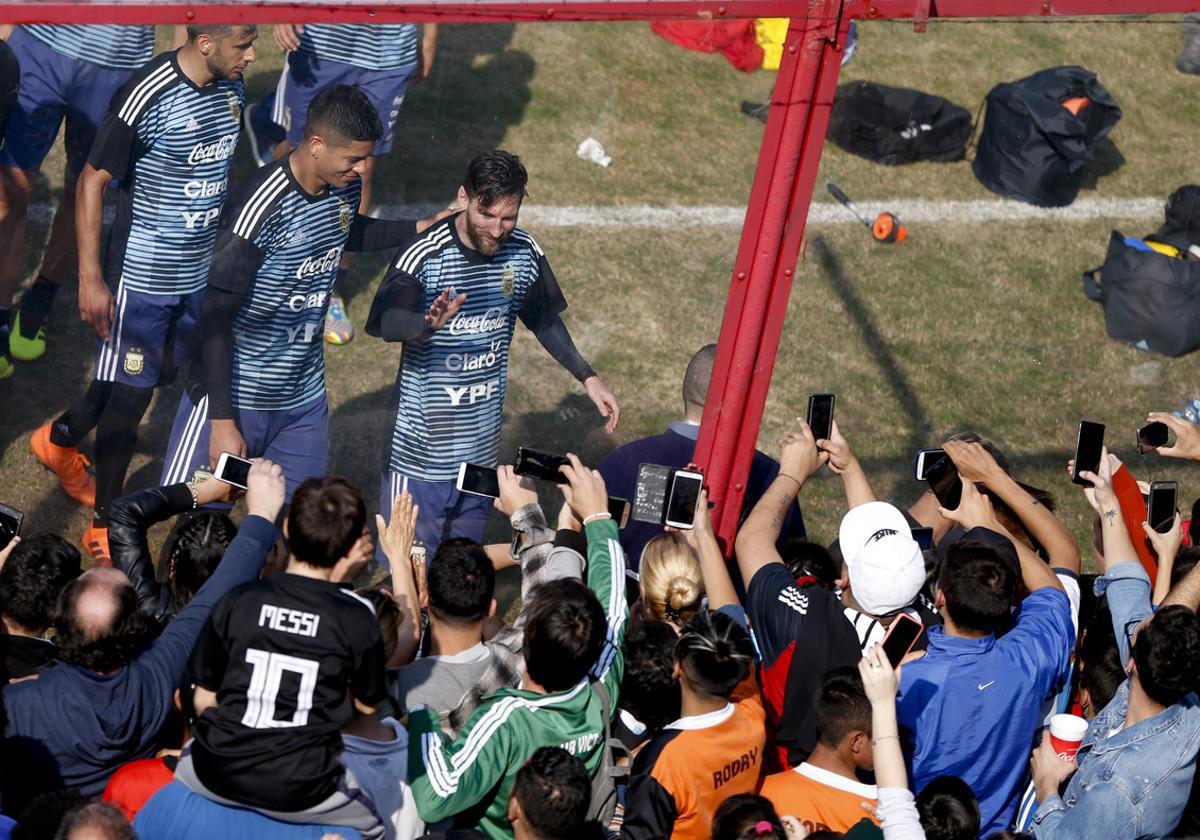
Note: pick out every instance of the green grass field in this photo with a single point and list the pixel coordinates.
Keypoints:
(965, 326)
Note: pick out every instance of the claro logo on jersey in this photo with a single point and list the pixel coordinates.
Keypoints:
(321, 264)
(220, 150)
(463, 362)
(205, 189)
(495, 318)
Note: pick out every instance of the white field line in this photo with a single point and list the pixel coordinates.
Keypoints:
(910, 211)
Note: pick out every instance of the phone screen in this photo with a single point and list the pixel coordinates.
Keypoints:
(943, 480)
(618, 509)
(903, 634)
(681, 504)
(1152, 436)
(1088, 446)
(1163, 501)
(820, 415)
(10, 524)
(925, 457)
(540, 465)
(233, 470)
(479, 481)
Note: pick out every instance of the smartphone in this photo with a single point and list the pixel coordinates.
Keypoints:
(478, 481)
(683, 499)
(232, 470)
(542, 465)
(820, 415)
(10, 524)
(1088, 445)
(924, 537)
(650, 496)
(1164, 499)
(901, 637)
(943, 480)
(1151, 436)
(618, 509)
(925, 457)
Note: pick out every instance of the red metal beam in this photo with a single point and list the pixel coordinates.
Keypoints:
(766, 259)
(452, 11)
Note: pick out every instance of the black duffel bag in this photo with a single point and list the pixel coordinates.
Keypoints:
(1150, 300)
(893, 125)
(1034, 149)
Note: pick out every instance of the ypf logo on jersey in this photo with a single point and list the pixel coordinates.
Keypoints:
(235, 107)
(345, 216)
(135, 361)
(508, 279)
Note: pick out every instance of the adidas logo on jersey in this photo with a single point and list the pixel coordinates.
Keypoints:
(296, 238)
(193, 125)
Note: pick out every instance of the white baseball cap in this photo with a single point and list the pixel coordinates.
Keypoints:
(884, 562)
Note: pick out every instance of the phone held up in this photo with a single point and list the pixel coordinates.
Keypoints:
(1164, 500)
(820, 415)
(1089, 446)
(1151, 436)
(10, 524)
(233, 470)
(900, 638)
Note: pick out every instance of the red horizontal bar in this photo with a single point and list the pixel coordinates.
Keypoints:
(317, 11)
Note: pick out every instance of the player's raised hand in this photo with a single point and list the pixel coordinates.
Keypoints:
(265, 489)
(444, 307)
(604, 401)
(287, 36)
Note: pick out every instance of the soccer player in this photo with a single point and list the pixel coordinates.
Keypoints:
(380, 59)
(67, 72)
(261, 385)
(290, 658)
(453, 296)
(169, 139)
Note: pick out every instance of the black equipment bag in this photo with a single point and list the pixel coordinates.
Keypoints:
(892, 125)
(1032, 148)
(1150, 300)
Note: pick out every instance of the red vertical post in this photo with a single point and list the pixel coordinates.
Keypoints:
(766, 259)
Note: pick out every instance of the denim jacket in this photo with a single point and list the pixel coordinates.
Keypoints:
(1136, 782)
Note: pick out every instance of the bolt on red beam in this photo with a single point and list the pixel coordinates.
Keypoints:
(766, 259)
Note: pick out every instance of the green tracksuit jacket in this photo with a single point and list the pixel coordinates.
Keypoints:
(475, 771)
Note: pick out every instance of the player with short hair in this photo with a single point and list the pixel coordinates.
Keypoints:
(260, 387)
(169, 139)
(71, 73)
(382, 59)
(453, 296)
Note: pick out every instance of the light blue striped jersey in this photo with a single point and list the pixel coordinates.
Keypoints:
(450, 389)
(115, 46)
(298, 239)
(170, 144)
(373, 46)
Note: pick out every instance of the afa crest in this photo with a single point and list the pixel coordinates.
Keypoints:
(135, 361)
(234, 108)
(345, 217)
(508, 280)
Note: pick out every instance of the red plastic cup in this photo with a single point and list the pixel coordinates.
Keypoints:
(1066, 734)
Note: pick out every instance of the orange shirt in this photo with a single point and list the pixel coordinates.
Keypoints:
(820, 799)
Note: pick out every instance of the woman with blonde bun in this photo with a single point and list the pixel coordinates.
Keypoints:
(672, 584)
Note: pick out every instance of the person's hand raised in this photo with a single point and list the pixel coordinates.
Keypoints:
(837, 450)
(1100, 495)
(973, 461)
(516, 491)
(798, 453)
(974, 509)
(584, 490)
(265, 489)
(1187, 436)
(880, 680)
(396, 536)
(443, 308)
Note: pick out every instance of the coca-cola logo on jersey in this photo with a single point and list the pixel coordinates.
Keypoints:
(495, 318)
(220, 150)
(320, 265)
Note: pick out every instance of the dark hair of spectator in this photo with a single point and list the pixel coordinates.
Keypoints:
(461, 582)
(102, 650)
(948, 810)
(978, 584)
(44, 814)
(804, 558)
(1100, 669)
(554, 790)
(841, 706)
(100, 818)
(741, 817)
(714, 653)
(193, 549)
(564, 633)
(341, 115)
(33, 577)
(326, 519)
(1185, 561)
(1167, 654)
(494, 176)
(649, 690)
(387, 611)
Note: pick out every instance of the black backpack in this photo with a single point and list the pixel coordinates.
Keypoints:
(1032, 148)
(1151, 300)
(891, 125)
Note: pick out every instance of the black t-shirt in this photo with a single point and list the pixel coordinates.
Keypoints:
(802, 633)
(286, 656)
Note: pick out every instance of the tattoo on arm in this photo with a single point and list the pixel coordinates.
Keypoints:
(781, 509)
(1110, 515)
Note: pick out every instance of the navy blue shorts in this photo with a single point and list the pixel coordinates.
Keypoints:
(305, 75)
(445, 511)
(151, 337)
(54, 86)
(296, 439)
